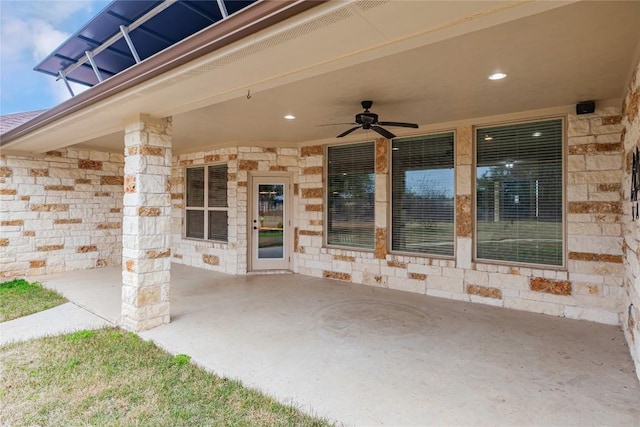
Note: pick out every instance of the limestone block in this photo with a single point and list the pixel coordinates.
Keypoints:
(576, 163)
(151, 183)
(401, 273)
(614, 280)
(381, 209)
(99, 155)
(581, 140)
(408, 285)
(611, 176)
(271, 157)
(464, 251)
(587, 289)
(578, 127)
(533, 306)
(608, 138)
(464, 146)
(477, 277)
(447, 294)
(597, 128)
(449, 284)
(288, 161)
(451, 272)
(381, 188)
(429, 270)
(592, 314)
(599, 268)
(157, 140)
(357, 277)
(598, 301)
(586, 278)
(508, 281)
(289, 152)
(464, 179)
(584, 228)
(603, 162)
(595, 244)
(486, 300)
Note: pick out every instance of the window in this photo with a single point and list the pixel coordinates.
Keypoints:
(422, 194)
(519, 182)
(351, 195)
(206, 216)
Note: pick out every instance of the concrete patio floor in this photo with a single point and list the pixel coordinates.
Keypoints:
(366, 356)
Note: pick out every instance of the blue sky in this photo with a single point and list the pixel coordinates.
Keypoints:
(30, 30)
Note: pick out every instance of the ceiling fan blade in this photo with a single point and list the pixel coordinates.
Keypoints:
(383, 132)
(399, 124)
(347, 132)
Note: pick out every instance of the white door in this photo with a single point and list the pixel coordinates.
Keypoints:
(270, 223)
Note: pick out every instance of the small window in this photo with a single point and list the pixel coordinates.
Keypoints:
(422, 198)
(519, 193)
(206, 216)
(351, 195)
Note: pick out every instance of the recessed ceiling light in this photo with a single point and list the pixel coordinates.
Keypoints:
(488, 138)
(536, 134)
(497, 76)
(290, 117)
(395, 148)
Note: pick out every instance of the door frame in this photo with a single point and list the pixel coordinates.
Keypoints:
(254, 178)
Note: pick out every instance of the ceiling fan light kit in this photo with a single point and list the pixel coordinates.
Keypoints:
(368, 120)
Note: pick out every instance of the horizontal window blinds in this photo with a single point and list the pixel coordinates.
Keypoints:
(206, 218)
(217, 186)
(519, 193)
(195, 187)
(422, 194)
(351, 195)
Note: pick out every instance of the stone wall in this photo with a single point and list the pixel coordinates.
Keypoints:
(60, 211)
(591, 285)
(631, 296)
(229, 257)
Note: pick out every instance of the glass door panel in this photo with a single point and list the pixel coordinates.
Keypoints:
(270, 221)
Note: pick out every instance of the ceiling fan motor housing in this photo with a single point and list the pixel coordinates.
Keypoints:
(366, 118)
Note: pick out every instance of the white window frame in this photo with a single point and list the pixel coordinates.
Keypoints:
(326, 199)
(206, 209)
(390, 190)
(474, 211)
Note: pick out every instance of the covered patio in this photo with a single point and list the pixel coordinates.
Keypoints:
(370, 356)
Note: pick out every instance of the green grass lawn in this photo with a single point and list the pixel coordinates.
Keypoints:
(110, 377)
(19, 298)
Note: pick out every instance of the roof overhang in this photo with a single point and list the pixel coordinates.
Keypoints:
(320, 59)
(223, 33)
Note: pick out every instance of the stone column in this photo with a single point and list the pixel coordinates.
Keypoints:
(381, 197)
(464, 178)
(146, 223)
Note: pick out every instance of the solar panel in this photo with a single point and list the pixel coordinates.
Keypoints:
(153, 25)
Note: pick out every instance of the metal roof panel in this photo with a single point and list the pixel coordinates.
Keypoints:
(179, 20)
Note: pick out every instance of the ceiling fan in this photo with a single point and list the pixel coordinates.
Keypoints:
(368, 120)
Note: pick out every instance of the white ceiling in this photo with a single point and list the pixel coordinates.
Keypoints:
(419, 61)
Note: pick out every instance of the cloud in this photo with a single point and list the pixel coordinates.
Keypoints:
(29, 37)
(60, 92)
(53, 11)
(31, 30)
